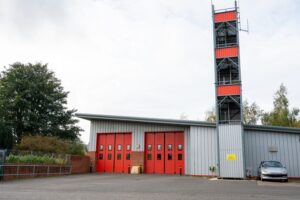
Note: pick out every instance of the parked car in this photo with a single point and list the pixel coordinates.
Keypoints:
(272, 170)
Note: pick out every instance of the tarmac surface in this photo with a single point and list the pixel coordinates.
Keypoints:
(152, 187)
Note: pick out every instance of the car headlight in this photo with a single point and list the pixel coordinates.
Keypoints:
(263, 171)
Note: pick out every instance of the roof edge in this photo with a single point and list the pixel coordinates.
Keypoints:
(273, 128)
(144, 120)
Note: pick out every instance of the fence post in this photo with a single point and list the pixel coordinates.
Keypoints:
(18, 171)
(33, 170)
(2, 162)
(48, 170)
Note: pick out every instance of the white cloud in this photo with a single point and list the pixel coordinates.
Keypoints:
(150, 58)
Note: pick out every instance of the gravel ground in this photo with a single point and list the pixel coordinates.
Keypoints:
(118, 186)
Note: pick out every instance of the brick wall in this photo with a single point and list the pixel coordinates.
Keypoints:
(80, 164)
(92, 156)
(137, 158)
(24, 171)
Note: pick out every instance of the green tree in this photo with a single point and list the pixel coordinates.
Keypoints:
(281, 115)
(6, 138)
(251, 113)
(33, 102)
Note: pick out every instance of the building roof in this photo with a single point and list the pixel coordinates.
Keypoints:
(144, 120)
(176, 122)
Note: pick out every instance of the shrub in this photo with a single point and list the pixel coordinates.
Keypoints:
(76, 148)
(43, 144)
(34, 159)
(50, 145)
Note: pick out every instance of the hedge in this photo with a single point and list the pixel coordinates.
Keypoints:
(34, 159)
(48, 145)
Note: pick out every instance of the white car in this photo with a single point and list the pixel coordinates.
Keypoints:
(272, 170)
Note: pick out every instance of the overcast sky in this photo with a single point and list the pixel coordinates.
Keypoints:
(150, 58)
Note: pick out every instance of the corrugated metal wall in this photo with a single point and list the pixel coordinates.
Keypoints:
(231, 142)
(203, 150)
(138, 132)
(259, 143)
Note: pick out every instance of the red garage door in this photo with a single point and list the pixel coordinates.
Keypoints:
(113, 152)
(164, 153)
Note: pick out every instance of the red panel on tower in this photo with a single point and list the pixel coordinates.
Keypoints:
(227, 52)
(225, 16)
(228, 90)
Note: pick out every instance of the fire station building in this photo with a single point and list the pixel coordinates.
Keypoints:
(162, 146)
(227, 148)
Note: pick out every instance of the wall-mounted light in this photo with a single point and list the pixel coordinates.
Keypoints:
(272, 148)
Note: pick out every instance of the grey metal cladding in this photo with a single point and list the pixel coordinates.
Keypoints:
(257, 149)
(203, 150)
(231, 142)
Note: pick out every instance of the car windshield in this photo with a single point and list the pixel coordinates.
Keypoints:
(272, 164)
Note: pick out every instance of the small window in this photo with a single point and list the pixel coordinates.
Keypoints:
(180, 147)
(149, 147)
(118, 156)
(101, 147)
(128, 156)
(149, 156)
(179, 156)
(128, 147)
(109, 147)
(101, 156)
(158, 157)
(169, 156)
(159, 147)
(169, 147)
(119, 147)
(109, 156)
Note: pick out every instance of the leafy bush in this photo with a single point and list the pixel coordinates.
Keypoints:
(34, 159)
(76, 148)
(48, 145)
(43, 144)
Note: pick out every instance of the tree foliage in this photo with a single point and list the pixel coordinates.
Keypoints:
(281, 115)
(251, 113)
(33, 102)
(46, 145)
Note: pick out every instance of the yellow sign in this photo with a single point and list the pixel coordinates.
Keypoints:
(230, 156)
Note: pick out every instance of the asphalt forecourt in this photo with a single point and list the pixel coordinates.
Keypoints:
(152, 187)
